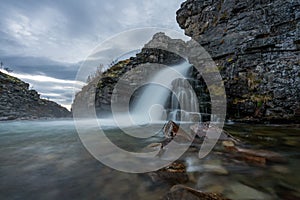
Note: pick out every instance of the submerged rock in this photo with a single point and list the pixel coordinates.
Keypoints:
(181, 192)
(175, 173)
(261, 155)
(240, 191)
(215, 167)
(256, 156)
(203, 128)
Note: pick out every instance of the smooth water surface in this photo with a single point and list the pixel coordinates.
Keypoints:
(46, 160)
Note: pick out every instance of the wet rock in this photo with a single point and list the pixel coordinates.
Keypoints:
(291, 141)
(181, 192)
(154, 146)
(200, 129)
(280, 169)
(216, 189)
(207, 181)
(254, 156)
(172, 174)
(173, 131)
(261, 155)
(207, 130)
(240, 191)
(215, 167)
(228, 144)
(170, 129)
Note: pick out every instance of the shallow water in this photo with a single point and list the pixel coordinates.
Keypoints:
(46, 160)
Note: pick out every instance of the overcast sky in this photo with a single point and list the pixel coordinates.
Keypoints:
(43, 41)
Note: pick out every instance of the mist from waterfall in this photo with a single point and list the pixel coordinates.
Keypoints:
(150, 107)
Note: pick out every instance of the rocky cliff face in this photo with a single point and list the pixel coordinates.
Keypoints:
(256, 46)
(98, 93)
(18, 102)
(103, 91)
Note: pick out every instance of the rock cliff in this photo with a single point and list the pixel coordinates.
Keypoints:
(98, 93)
(256, 47)
(18, 102)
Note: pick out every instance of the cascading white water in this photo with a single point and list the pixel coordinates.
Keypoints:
(150, 107)
(188, 109)
(182, 92)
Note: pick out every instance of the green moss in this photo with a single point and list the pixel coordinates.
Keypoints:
(253, 80)
(230, 60)
(260, 98)
(220, 67)
(259, 104)
(238, 100)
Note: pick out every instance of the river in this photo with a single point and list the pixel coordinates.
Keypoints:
(46, 160)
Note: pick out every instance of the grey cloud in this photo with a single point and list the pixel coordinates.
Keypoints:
(34, 33)
(41, 66)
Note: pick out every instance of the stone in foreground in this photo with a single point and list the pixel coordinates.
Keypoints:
(181, 192)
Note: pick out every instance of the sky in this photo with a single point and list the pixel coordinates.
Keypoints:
(44, 42)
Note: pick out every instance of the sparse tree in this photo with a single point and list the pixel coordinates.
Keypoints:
(89, 79)
(99, 70)
(96, 74)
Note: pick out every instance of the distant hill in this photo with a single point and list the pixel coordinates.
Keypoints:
(17, 101)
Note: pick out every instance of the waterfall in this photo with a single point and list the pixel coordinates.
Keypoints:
(182, 91)
(188, 109)
(151, 106)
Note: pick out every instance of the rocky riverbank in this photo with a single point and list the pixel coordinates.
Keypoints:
(17, 101)
(191, 177)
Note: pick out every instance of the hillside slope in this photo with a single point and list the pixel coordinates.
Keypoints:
(18, 102)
